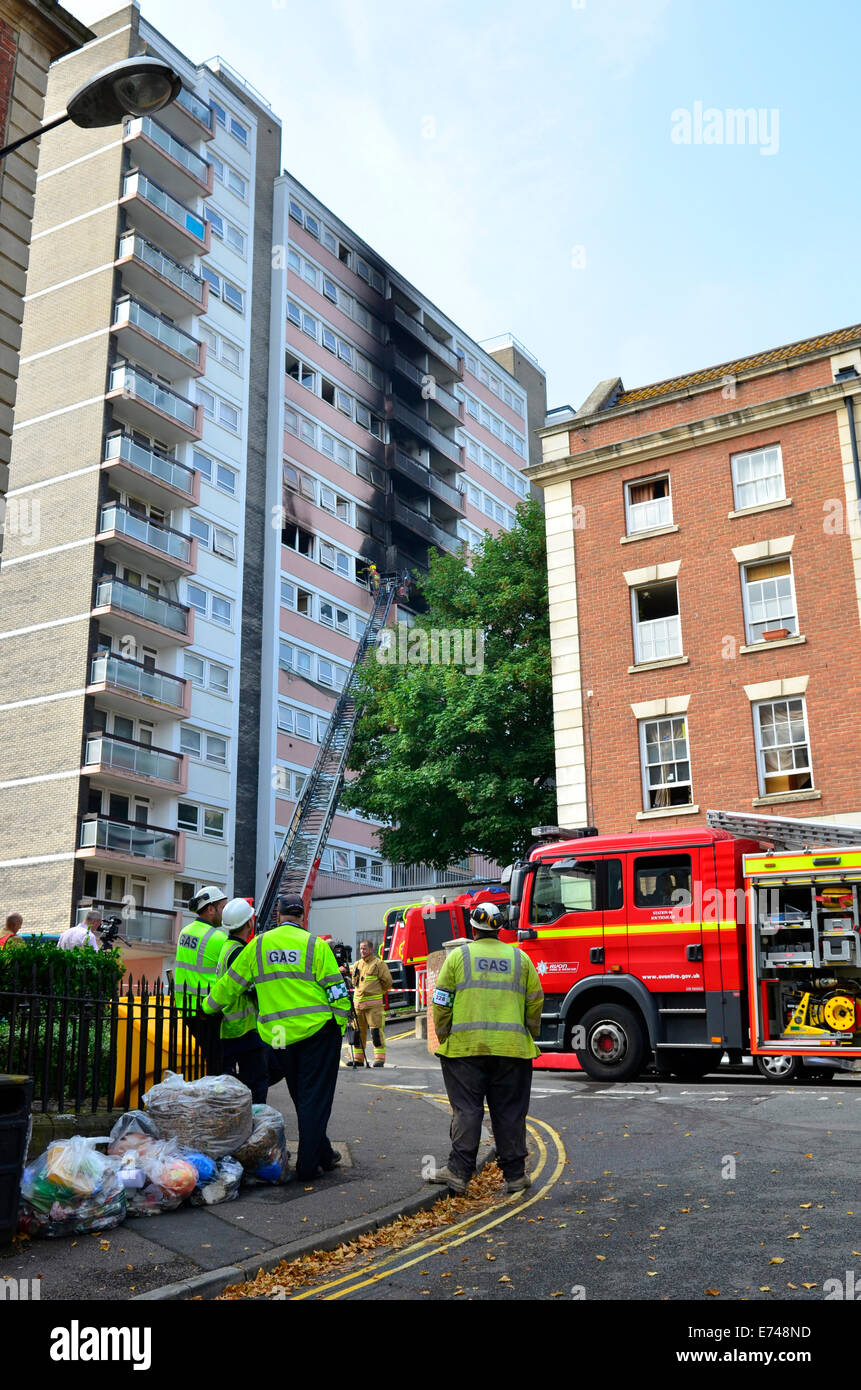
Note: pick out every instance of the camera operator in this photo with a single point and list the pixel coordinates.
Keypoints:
(84, 934)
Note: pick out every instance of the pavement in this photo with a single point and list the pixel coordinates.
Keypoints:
(384, 1124)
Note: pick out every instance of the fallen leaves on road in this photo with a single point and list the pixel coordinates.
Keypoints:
(483, 1191)
(777, 1260)
(713, 1293)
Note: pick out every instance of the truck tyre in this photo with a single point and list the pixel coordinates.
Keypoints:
(616, 1044)
(693, 1066)
(779, 1070)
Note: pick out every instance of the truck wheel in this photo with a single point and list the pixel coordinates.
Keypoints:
(615, 1043)
(779, 1070)
(693, 1066)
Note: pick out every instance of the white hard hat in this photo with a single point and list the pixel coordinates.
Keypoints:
(206, 897)
(237, 912)
(487, 917)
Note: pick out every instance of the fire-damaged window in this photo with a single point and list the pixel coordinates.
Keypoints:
(298, 539)
(659, 877)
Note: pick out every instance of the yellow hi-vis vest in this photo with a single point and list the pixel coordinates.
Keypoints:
(197, 953)
(487, 1002)
(299, 986)
(242, 1017)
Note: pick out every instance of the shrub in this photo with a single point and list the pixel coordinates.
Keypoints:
(40, 967)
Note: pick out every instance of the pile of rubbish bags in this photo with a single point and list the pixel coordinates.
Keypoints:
(194, 1141)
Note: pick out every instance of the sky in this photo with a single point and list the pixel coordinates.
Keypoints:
(566, 170)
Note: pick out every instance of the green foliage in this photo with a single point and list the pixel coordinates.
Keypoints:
(457, 762)
(42, 968)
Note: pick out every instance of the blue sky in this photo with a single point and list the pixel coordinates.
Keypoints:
(516, 161)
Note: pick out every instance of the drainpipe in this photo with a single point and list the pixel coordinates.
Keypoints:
(847, 374)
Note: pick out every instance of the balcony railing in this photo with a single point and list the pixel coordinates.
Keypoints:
(418, 377)
(116, 593)
(176, 339)
(141, 924)
(423, 429)
(132, 380)
(150, 461)
(138, 183)
(133, 678)
(125, 755)
(411, 468)
(424, 526)
(127, 837)
(177, 149)
(422, 335)
(140, 528)
(200, 110)
(133, 244)
(659, 639)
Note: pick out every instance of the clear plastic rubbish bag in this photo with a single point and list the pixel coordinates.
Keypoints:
(212, 1114)
(264, 1157)
(223, 1186)
(71, 1189)
(157, 1177)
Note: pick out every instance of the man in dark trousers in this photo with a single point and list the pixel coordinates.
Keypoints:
(244, 1053)
(303, 1008)
(487, 1014)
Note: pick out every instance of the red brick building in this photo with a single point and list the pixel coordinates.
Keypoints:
(705, 591)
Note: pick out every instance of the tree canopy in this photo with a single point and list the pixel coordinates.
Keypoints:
(459, 758)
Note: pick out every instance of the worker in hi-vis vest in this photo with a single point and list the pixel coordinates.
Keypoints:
(244, 1052)
(371, 981)
(197, 953)
(303, 1007)
(487, 1014)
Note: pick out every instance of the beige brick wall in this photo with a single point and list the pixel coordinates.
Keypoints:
(56, 446)
(42, 590)
(38, 740)
(54, 259)
(42, 892)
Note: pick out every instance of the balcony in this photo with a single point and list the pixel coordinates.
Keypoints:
(130, 686)
(399, 462)
(124, 608)
(447, 408)
(163, 219)
(189, 117)
(405, 419)
(145, 405)
(108, 841)
(402, 322)
(117, 762)
(149, 474)
(154, 276)
(167, 159)
(426, 528)
(154, 925)
(155, 342)
(137, 541)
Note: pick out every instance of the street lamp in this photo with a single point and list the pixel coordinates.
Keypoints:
(133, 87)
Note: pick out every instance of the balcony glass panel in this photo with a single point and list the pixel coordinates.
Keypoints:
(130, 311)
(177, 150)
(139, 841)
(128, 675)
(133, 757)
(195, 107)
(128, 378)
(172, 207)
(120, 446)
(139, 528)
(131, 599)
(132, 244)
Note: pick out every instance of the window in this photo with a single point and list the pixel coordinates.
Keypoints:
(298, 539)
(657, 628)
(782, 746)
(212, 279)
(187, 817)
(222, 610)
(190, 741)
(330, 501)
(333, 616)
(219, 679)
(648, 504)
(216, 750)
(297, 481)
(665, 763)
(205, 674)
(556, 891)
(196, 598)
(213, 824)
(222, 476)
(218, 411)
(299, 600)
(238, 131)
(662, 880)
(213, 538)
(335, 560)
(233, 296)
(182, 891)
(769, 598)
(195, 670)
(757, 477)
(220, 115)
(216, 221)
(295, 659)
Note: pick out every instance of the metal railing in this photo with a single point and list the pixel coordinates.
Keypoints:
(427, 432)
(133, 244)
(126, 837)
(116, 593)
(152, 924)
(424, 526)
(138, 183)
(126, 755)
(200, 110)
(413, 468)
(177, 149)
(132, 380)
(132, 311)
(122, 446)
(425, 337)
(140, 528)
(136, 679)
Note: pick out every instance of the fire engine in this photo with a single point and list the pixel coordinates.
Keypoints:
(739, 936)
(411, 932)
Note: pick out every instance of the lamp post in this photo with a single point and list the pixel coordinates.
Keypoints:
(133, 87)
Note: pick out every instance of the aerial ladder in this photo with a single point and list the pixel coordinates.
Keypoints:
(298, 859)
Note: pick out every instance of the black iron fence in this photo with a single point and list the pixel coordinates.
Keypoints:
(92, 1049)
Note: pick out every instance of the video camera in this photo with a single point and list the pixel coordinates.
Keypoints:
(109, 931)
(343, 954)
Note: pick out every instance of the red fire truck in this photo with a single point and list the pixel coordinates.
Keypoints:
(416, 929)
(739, 936)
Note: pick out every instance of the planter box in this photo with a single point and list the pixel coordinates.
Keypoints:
(775, 634)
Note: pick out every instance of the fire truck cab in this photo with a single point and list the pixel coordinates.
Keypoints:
(413, 931)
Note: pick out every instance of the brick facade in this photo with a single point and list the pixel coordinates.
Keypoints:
(600, 700)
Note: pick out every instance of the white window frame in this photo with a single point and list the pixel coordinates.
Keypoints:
(761, 749)
(630, 507)
(641, 656)
(737, 462)
(780, 621)
(671, 720)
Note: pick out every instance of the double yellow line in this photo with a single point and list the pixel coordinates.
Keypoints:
(549, 1167)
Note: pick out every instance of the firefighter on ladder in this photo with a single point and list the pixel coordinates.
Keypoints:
(371, 980)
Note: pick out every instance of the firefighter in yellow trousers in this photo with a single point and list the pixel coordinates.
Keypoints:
(371, 980)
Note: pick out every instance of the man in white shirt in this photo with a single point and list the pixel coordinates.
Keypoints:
(83, 934)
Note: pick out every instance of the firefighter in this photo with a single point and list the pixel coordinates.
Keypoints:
(197, 953)
(371, 980)
(302, 1010)
(487, 1014)
(244, 1052)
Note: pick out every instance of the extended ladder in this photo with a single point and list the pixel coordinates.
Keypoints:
(785, 832)
(299, 857)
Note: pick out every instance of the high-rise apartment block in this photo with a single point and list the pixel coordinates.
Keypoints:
(229, 407)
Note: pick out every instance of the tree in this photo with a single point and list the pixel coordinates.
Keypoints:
(460, 758)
